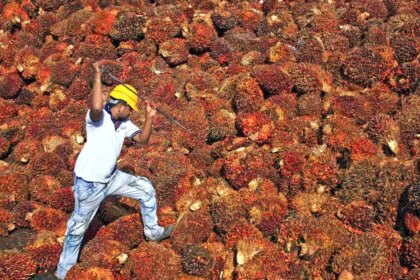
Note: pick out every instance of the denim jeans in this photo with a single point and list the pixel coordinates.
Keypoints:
(88, 197)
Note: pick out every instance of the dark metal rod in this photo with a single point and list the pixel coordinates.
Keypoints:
(142, 98)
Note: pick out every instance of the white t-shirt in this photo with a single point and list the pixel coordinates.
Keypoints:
(99, 155)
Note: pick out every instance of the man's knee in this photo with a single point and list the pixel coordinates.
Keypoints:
(77, 225)
(147, 186)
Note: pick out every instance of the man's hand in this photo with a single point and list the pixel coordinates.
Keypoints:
(96, 66)
(150, 109)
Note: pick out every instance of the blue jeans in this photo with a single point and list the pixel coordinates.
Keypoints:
(88, 197)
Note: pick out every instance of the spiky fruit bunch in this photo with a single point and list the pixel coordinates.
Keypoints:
(408, 119)
(96, 47)
(109, 254)
(193, 228)
(403, 79)
(268, 213)
(414, 198)
(383, 129)
(365, 66)
(111, 210)
(358, 215)
(152, 261)
(127, 26)
(309, 203)
(85, 271)
(359, 183)
(16, 265)
(248, 96)
(222, 51)
(21, 210)
(353, 106)
(174, 51)
(62, 199)
(238, 230)
(410, 252)
(47, 164)
(47, 218)
(406, 48)
(256, 126)
(201, 37)
(128, 230)
(246, 164)
(271, 79)
(10, 85)
(160, 30)
(14, 183)
(224, 19)
(44, 249)
(364, 256)
(196, 260)
(42, 187)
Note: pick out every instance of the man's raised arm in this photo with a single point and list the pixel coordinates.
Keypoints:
(96, 102)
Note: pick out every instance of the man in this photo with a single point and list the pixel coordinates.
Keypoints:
(96, 175)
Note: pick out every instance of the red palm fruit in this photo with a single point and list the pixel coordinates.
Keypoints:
(359, 253)
(196, 260)
(8, 110)
(27, 62)
(96, 47)
(127, 26)
(221, 51)
(79, 89)
(412, 223)
(226, 209)
(409, 118)
(358, 215)
(174, 51)
(152, 261)
(46, 164)
(201, 37)
(10, 85)
(128, 230)
(271, 79)
(16, 265)
(111, 209)
(238, 230)
(6, 222)
(109, 254)
(321, 169)
(363, 148)
(246, 164)
(248, 96)
(354, 106)
(4, 147)
(88, 272)
(63, 72)
(73, 26)
(383, 130)
(309, 203)
(340, 132)
(42, 187)
(62, 199)
(268, 213)
(44, 249)
(359, 183)
(256, 126)
(365, 66)
(21, 210)
(46, 218)
(193, 117)
(193, 228)
(410, 252)
(14, 183)
(224, 19)
(392, 179)
(160, 30)
(102, 21)
(381, 99)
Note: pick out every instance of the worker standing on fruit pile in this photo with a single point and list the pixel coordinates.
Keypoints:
(96, 175)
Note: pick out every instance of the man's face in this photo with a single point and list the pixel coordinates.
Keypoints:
(124, 111)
